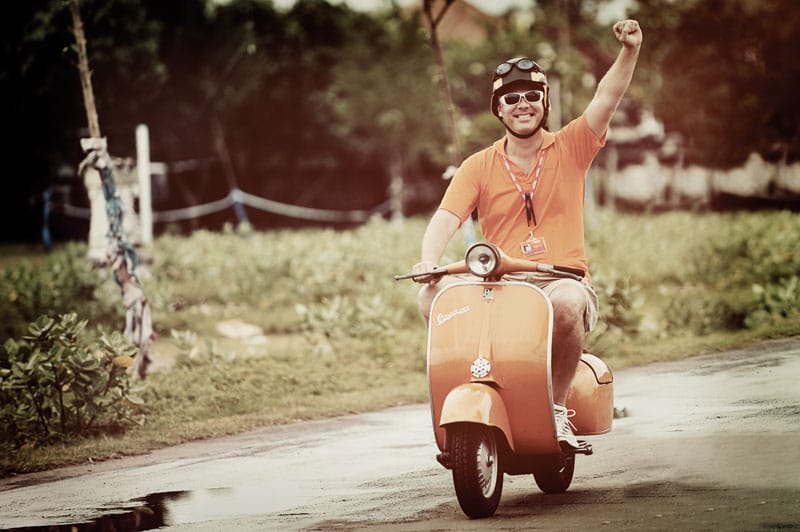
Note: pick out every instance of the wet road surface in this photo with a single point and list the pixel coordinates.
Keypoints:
(709, 443)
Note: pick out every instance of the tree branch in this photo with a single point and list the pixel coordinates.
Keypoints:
(444, 84)
(83, 68)
(434, 21)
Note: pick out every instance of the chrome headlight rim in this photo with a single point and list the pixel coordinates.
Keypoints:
(482, 259)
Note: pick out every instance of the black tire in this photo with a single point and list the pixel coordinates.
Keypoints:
(477, 470)
(553, 474)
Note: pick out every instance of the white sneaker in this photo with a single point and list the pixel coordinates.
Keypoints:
(564, 427)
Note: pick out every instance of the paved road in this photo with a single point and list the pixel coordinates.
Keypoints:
(710, 443)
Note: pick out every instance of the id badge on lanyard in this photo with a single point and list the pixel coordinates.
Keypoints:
(533, 245)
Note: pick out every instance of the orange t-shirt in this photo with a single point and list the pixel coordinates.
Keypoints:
(483, 182)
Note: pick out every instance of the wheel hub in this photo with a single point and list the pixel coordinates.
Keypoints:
(487, 470)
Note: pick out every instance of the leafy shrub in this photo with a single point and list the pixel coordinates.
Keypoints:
(750, 248)
(775, 301)
(274, 271)
(697, 312)
(64, 282)
(620, 303)
(755, 253)
(696, 272)
(191, 356)
(54, 383)
(331, 324)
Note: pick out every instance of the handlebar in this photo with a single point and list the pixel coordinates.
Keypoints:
(503, 264)
(451, 269)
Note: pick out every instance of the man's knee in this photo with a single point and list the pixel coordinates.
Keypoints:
(428, 293)
(425, 300)
(569, 301)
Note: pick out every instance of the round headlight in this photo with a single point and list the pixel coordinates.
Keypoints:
(482, 259)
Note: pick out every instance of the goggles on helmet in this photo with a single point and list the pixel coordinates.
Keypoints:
(513, 98)
(524, 64)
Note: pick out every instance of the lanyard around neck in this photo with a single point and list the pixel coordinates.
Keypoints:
(527, 197)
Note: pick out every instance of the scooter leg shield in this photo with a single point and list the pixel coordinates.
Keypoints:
(476, 403)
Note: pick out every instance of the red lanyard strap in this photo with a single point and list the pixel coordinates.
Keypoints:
(527, 197)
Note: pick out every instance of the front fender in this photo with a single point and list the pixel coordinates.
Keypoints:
(476, 403)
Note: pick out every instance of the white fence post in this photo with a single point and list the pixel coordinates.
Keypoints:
(98, 220)
(143, 172)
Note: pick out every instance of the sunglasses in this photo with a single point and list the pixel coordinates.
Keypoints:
(524, 64)
(513, 98)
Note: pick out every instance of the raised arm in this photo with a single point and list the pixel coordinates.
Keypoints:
(615, 83)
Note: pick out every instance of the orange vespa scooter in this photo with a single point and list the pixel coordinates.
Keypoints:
(489, 371)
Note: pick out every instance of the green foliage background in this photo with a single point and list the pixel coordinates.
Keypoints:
(320, 104)
(342, 336)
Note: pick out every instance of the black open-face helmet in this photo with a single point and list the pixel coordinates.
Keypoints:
(519, 74)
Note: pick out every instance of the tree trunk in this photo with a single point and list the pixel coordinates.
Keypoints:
(444, 85)
(83, 68)
(98, 221)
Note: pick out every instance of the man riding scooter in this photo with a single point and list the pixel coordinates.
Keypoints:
(529, 189)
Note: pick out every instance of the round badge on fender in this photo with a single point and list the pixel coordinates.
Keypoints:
(480, 368)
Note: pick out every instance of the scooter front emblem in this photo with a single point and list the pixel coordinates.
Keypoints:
(480, 368)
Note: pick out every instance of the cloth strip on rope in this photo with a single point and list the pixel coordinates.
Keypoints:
(121, 255)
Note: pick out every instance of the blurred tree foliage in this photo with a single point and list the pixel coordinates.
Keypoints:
(319, 103)
(724, 74)
(385, 98)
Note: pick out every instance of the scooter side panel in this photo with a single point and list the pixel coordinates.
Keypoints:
(515, 322)
(591, 396)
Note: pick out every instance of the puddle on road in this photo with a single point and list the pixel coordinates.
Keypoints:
(161, 509)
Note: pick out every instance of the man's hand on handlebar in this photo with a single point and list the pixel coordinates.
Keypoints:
(420, 269)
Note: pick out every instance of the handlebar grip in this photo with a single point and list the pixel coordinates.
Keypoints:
(436, 272)
(564, 271)
(574, 271)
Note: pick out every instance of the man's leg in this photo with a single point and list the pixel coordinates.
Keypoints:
(574, 314)
(569, 309)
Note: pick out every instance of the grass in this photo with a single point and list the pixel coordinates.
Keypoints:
(11, 254)
(341, 337)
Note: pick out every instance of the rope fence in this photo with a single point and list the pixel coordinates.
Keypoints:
(240, 197)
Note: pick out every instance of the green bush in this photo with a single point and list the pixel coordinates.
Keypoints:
(277, 270)
(696, 312)
(755, 257)
(774, 302)
(620, 303)
(63, 282)
(56, 384)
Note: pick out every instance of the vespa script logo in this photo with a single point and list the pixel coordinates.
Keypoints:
(441, 319)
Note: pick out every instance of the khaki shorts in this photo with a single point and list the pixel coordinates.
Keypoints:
(548, 283)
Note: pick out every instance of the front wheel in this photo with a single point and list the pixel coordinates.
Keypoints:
(477, 470)
(553, 474)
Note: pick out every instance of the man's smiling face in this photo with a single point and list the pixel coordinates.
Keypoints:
(521, 115)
